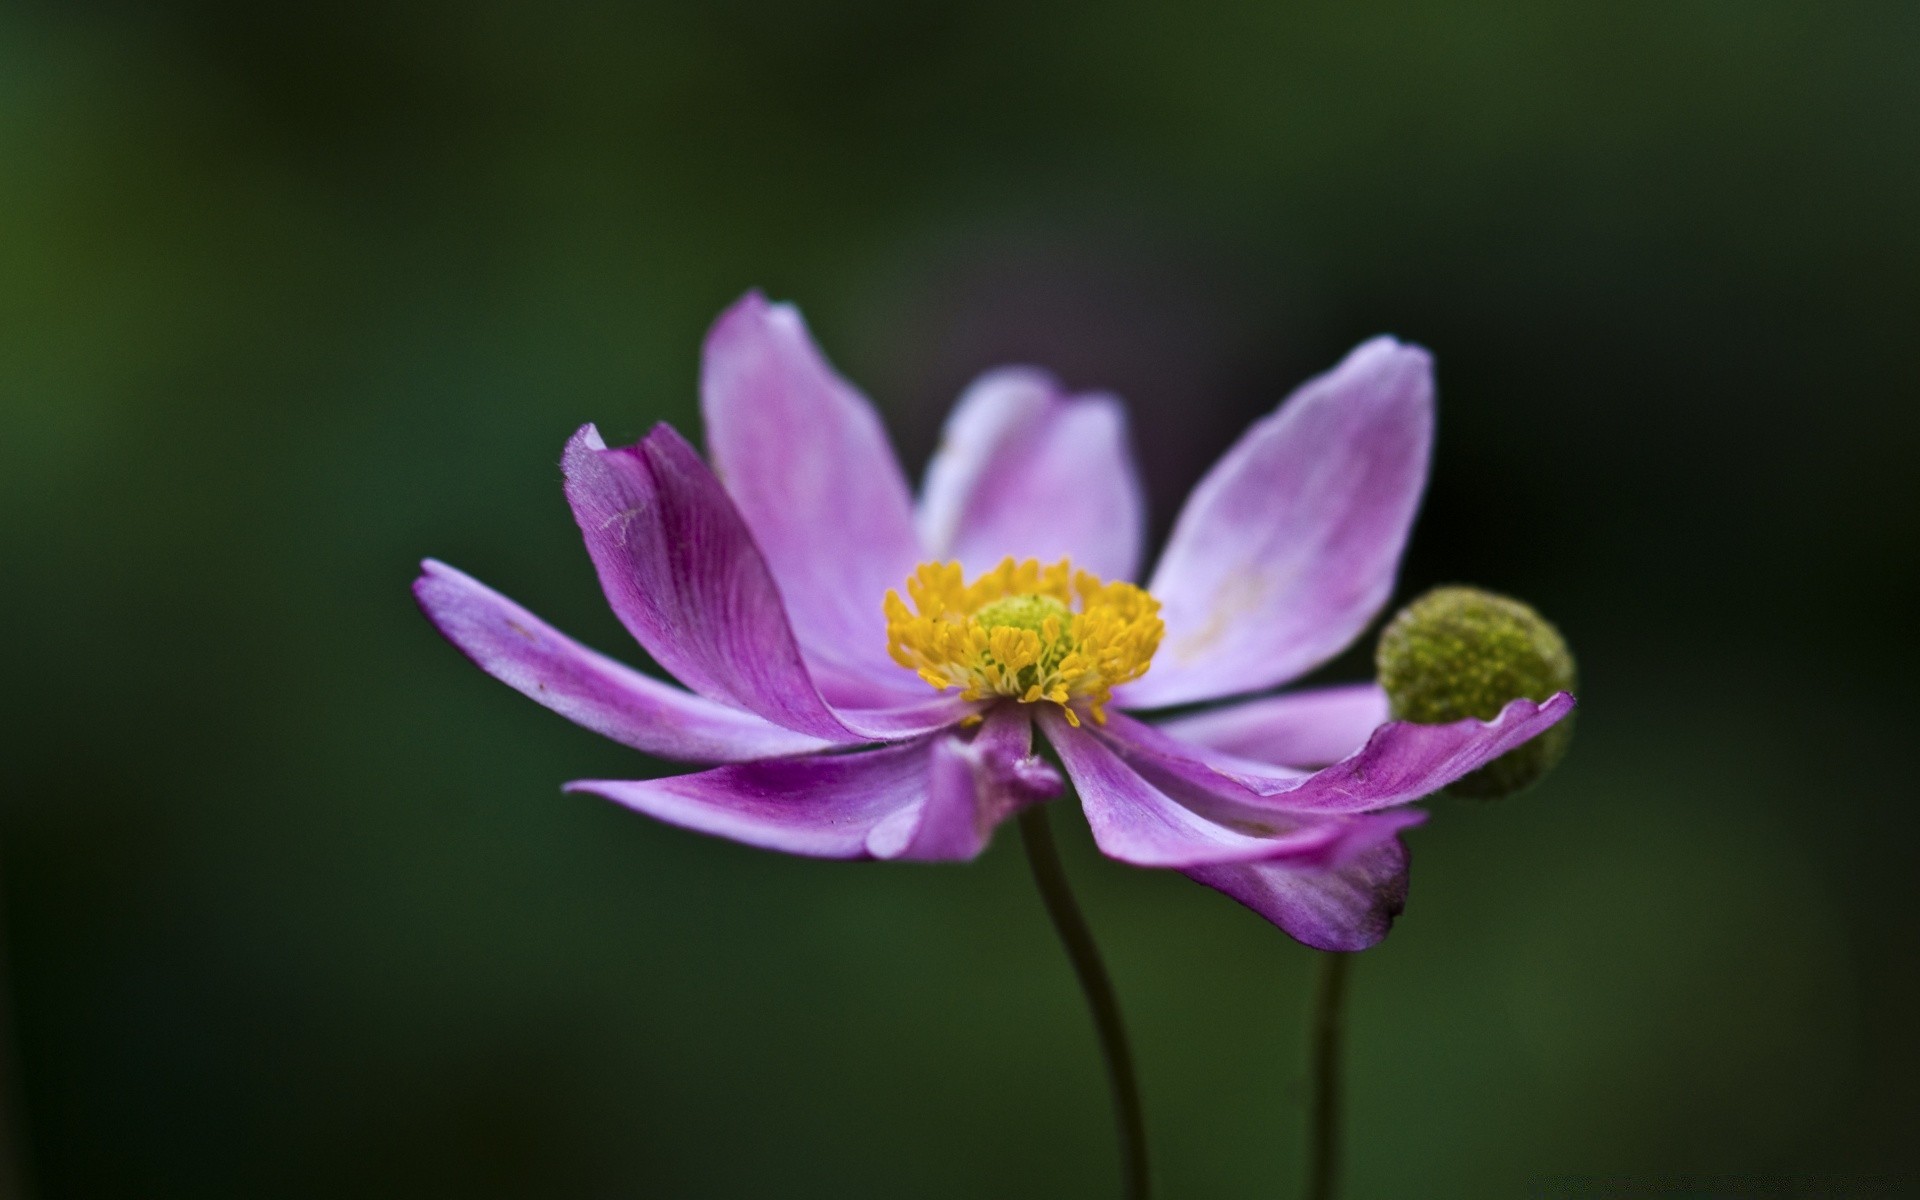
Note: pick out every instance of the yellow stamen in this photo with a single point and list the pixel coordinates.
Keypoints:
(1015, 632)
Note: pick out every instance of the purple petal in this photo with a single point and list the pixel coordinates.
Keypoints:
(684, 576)
(821, 805)
(1023, 470)
(1288, 547)
(1400, 763)
(805, 458)
(1301, 729)
(616, 701)
(932, 798)
(907, 720)
(1350, 907)
(1161, 823)
(973, 786)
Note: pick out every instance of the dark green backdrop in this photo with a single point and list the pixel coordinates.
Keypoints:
(293, 905)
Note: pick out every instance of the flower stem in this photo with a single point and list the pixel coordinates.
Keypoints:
(1051, 879)
(1323, 1115)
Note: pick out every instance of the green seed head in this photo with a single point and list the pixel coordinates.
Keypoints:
(1024, 612)
(1032, 612)
(1459, 652)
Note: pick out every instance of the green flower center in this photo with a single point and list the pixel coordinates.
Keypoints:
(1031, 613)
(1022, 612)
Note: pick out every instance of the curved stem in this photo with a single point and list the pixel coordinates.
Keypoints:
(1078, 940)
(1323, 1114)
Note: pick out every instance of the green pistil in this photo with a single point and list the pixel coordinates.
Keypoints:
(1024, 612)
(1030, 612)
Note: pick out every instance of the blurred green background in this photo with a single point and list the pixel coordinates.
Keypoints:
(290, 298)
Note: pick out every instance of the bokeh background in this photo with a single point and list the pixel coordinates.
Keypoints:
(291, 297)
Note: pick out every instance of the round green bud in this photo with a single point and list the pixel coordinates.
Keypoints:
(1459, 652)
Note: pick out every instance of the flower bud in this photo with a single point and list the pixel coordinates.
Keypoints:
(1459, 652)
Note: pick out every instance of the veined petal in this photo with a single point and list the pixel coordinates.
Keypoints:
(1300, 729)
(1289, 546)
(1157, 822)
(684, 576)
(907, 720)
(1349, 907)
(972, 787)
(1024, 471)
(1400, 763)
(821, 805)
(1333, 881)
(806, 459)
(538, 661)
(932, 798)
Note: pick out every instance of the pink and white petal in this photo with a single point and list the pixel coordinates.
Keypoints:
(1289, 545)
(930, 712)
(1132, 820)
(821, 805)
(589, 689)
(1350, 907)
(1138, 821)
(935, 798)
(1149, 748)
(1403, 761)
(1400, 763)
(806, 459)
(973, 786)
(1025, 471)
(685, 577)
(1299, 729)
(682, 573)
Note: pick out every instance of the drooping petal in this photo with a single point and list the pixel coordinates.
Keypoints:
(684, 576)
(821, 805)
(538, 661)
(933, 798)
(972, 787)
(1300, 729)
(806, 459)
(1026, 471)
(1131, 819)
(1161, 823)
(1404, 761)
(1349, 907)
(1334, 882)
(1400, 763)
(1289, 546)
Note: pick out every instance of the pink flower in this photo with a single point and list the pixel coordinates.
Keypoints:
(852, 723)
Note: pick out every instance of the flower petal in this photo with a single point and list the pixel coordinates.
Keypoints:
(1400, 763)
(973, 786)
(1403, 761)
(1162, 823)
(1023, 470)
(806, 459)
(1289, 546)
(821, 805)
(535, 659)
(1349, 907)
(1300, 729)
(933, 798)
(684, 576)
(1131, 819)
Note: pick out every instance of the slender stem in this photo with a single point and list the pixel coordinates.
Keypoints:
(1051, 879)
(1323, 1115)
(13, 1132)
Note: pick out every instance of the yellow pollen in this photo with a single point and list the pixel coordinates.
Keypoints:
(1015, 631)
